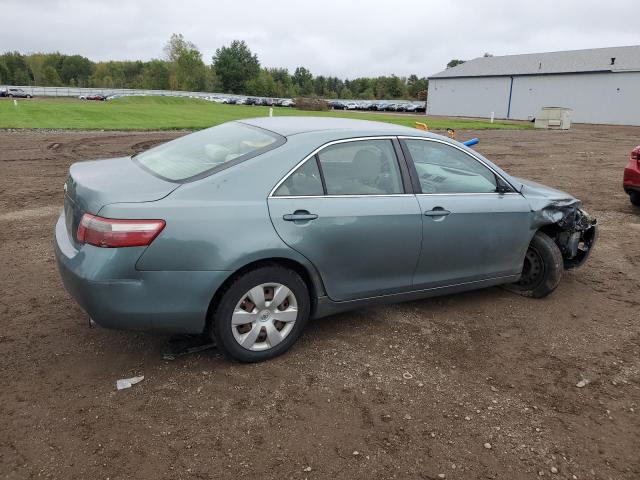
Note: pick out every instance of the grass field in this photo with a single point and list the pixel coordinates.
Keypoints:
(169, 113)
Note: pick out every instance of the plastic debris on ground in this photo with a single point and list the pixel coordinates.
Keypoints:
(128, 382)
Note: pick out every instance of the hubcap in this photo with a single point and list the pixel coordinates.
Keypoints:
(264, 316)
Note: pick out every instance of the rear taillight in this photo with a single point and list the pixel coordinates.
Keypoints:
(111, 232)
(635, 154)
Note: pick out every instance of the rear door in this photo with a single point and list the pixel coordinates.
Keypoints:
(349, 210)
(475, 226)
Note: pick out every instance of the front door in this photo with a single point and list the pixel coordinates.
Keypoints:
(475, 227)
(346, 210)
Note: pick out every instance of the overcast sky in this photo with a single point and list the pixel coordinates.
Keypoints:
(330, 37)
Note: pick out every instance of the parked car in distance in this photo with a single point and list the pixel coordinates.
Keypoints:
(17, 93)
(631, 177)
(245, 230)
(287, 102)
(351, 106)
(93, 96)
(336, 105)
(412, 107)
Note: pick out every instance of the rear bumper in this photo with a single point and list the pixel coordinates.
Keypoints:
(114, 294)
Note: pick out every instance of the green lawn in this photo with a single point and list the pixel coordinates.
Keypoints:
(169, 113)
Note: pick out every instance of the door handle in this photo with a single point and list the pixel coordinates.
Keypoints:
(437, 212)
(297, 216)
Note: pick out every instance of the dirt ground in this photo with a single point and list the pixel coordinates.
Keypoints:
(410, 391)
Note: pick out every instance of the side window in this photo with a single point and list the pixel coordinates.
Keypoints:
(305, 181)
(444, 169)
(362, 167)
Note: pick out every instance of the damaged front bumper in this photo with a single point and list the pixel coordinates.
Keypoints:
(561, 216)
(576, 237)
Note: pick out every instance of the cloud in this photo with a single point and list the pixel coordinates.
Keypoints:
(337, 38)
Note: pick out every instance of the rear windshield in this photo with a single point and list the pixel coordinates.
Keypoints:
(202, 153)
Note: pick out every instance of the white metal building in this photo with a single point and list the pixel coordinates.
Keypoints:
(601, 85)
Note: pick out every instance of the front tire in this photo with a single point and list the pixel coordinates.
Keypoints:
(635, 198)
(261, 314)
(542, 269)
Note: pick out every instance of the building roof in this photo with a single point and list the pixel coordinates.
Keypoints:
(570, 61)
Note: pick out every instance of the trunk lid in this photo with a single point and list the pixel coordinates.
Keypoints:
(93, 184)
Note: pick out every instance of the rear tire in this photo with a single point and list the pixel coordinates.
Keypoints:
(542, 269)
(261, 314)
(635, 198)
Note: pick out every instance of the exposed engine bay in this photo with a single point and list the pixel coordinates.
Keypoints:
(561, 216)
(575, 235)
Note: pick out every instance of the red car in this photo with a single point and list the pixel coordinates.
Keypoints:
(631, 181)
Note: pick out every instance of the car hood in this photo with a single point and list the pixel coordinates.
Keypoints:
(534, 190)
(548, 205)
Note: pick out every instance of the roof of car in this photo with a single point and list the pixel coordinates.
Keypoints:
(291, 125)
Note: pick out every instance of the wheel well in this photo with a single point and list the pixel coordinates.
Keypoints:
(281, 262)
(550, 230)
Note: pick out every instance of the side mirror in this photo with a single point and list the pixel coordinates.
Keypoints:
(501, 187)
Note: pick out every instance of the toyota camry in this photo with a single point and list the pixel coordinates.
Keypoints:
(246, 230)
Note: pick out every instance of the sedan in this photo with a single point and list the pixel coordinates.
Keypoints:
(93, 96)
(244, 231)
(17, 93)
(379, 106)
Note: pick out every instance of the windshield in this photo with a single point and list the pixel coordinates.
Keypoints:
(202, 153)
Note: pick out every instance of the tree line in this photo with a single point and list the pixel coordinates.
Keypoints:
(233, 69)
